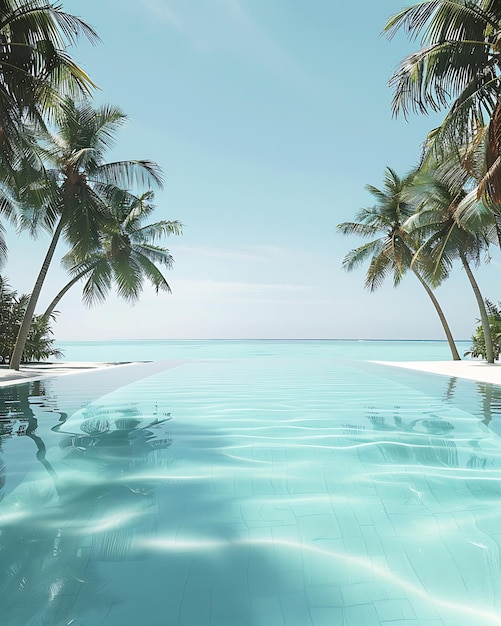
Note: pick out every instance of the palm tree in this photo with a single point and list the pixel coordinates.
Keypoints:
(8, 210)
(126, 256)
(73, 197)
(35, 73)
(446, 241)
(458, 67)
(393, 249)
(39, 344)
(478, 347)
(35, 68)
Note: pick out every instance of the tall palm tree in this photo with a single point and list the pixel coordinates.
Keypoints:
(457, 68)
(126, 256)
(393, 249)
(445, 241)
(8, 210)
(36, 71)
(35, 68)
(73, 197)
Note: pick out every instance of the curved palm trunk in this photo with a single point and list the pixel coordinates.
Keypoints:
(67, 287)
(24, 329)
(440, 313)
(484, 318)
(42, 452)
(497, 223)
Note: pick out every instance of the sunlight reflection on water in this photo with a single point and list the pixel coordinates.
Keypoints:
(286, 490)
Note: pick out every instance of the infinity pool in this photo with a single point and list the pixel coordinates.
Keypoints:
(268, 491)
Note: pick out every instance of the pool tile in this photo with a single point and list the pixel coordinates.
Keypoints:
(361, 615)
(327, 595)
(327, 616)
(272, 513)
(263, 605)
(320, 526)
(361, 593)
(395, 610)
(295, 609)
(195, 609)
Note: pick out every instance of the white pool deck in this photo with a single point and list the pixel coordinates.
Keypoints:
(477, 370)
(36, 371)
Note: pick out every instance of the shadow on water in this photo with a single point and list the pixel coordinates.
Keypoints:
(119, 515)
(87, 523)
(17, 419)
(47, 546)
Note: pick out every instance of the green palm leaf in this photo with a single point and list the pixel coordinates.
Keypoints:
(392, 252)
(90, 203)
(457, 69)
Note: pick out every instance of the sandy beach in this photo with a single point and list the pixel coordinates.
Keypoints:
(479, 371)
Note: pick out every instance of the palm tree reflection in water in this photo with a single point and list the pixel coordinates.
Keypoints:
(429, 440)
(90, 502)
(54, 529)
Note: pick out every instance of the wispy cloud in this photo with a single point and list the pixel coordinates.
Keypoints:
(249, 253)
(210, 26)
(226, 26)
(204, 290)
(163, 12)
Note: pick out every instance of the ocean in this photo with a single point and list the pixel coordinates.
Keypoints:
(163, 349)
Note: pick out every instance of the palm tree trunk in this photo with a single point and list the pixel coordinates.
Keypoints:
(67, 287)
(484, 318)
(497, 223)
(24, 329)
(440, 313)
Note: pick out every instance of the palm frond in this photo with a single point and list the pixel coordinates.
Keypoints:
(127, 173)
(155, 231)
(150, 271)
(356, 257)
(450, 18)
(127, 276)
(98, 284)
(156, 254)
(379, 268)
(473, 214)
(356, 228)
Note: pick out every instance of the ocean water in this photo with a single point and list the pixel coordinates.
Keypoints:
(158, 350)
(251, 484)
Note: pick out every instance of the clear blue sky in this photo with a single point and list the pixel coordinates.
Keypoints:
(268, 118)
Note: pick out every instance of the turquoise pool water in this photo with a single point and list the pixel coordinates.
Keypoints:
(278, 486)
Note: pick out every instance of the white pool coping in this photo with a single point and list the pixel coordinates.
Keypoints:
(36, 371)
(471, 369)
